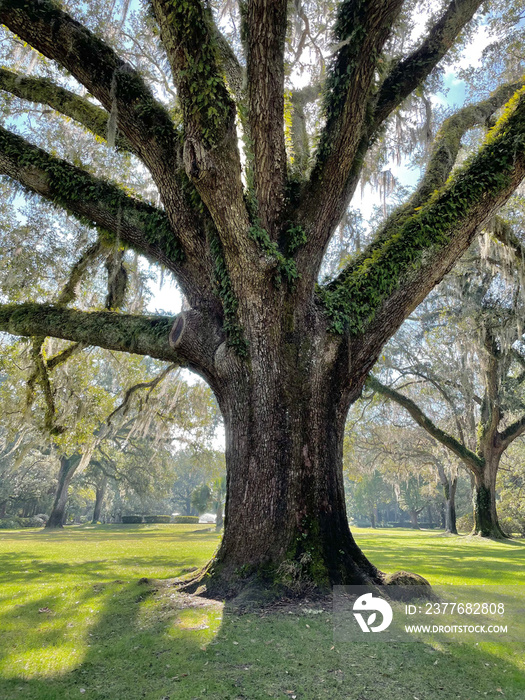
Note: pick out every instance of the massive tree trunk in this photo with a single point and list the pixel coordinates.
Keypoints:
(285, 514)
(486, 521)
(68, 466)
(100, 492)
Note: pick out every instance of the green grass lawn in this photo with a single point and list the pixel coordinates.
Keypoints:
(75, 623)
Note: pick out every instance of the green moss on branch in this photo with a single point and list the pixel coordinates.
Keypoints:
(94, 201)
(351, 302)
(143, 335)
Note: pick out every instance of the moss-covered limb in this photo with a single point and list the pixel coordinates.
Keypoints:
(43, 91)
(394, 273)
(141, 118)
(447, 143)
(265, 33)
(361, 31)
(475, 462)
(104, 205)
(210, 152)
(189, 36)
(511, 432)
(415, 68)
(442, 160)
(143, 335)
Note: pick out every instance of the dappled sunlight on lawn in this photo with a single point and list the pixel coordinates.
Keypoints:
(102, 635)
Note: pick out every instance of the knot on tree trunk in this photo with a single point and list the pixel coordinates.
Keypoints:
(197, 160)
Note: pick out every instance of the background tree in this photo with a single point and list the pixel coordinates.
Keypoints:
(468, 354)
(246, 237)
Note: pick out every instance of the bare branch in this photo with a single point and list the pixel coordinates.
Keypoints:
(471, 459)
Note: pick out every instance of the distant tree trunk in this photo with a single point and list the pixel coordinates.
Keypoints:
(3, 508)
(372, 518)
(68, 466)
(99, 499)
(450, 507)
(219, 520)
(414, 519)
(486, 521)
(449, 492)
(429, 513)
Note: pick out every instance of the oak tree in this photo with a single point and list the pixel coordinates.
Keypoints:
(246, 236)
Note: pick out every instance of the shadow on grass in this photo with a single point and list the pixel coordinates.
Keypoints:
(431, 556)
(155, 646)
(21, 567)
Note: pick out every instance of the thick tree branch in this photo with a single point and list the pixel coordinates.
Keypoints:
(447, 143)
(513, 431)
(383, 286)
(470, 458)
(265, 29)
(361, 31)
(196, 348)
(443, 157)
(211, 155)
(142, 335)
(99, 203)
(43, 91)
(414, 69)
(143, 121)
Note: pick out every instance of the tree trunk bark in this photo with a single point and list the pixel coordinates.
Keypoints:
(414, 519)
(68, 467)
(219, 520)
(285, 515)
(99, 499)
(372, 519)
(486, 523)
(450, 504)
